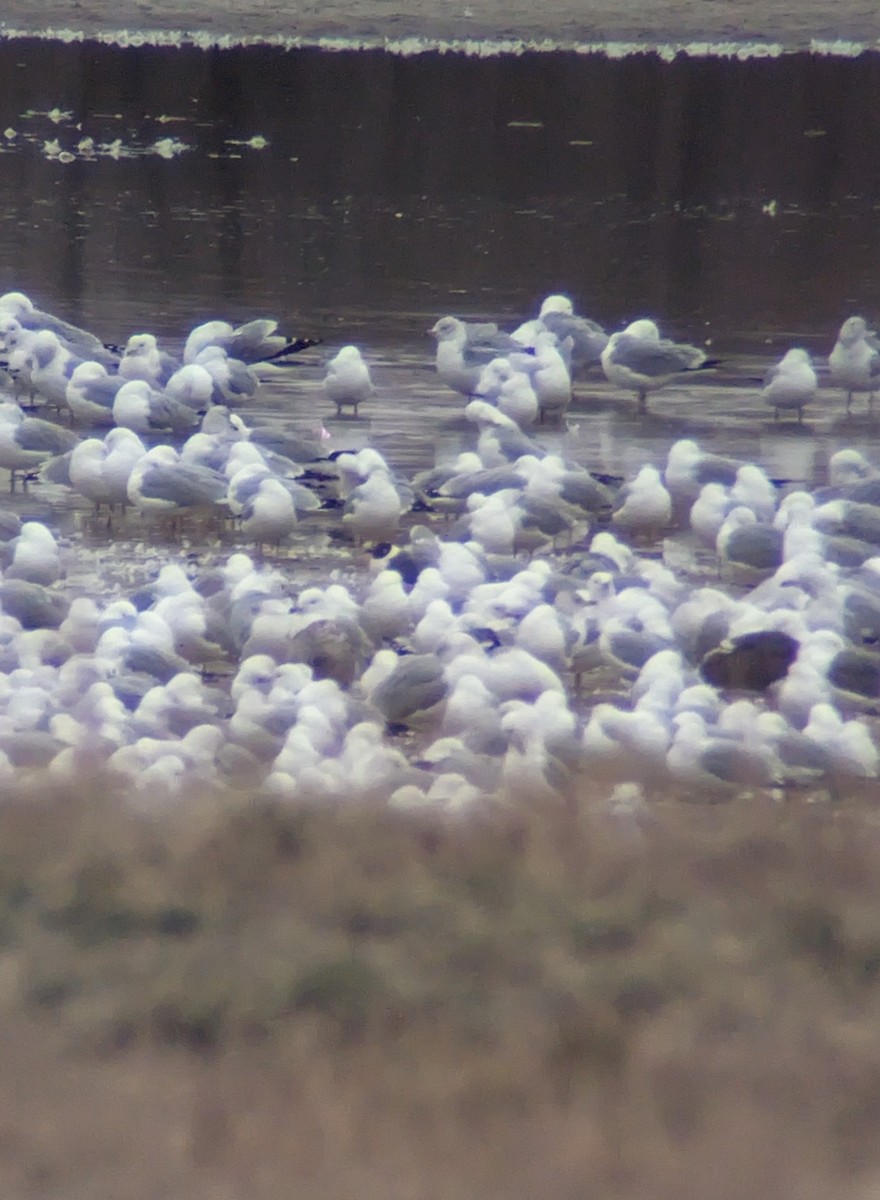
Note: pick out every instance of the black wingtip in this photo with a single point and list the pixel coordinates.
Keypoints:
(294, 347)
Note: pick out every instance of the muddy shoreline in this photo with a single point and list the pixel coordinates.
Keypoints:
(707, 25)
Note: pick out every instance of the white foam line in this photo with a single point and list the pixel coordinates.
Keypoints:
(472, 48)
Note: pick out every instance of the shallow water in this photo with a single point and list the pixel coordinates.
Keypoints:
(359, 195)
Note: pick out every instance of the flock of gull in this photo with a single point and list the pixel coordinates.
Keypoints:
(508, 625)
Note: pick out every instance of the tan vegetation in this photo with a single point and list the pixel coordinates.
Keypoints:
(244, 1001)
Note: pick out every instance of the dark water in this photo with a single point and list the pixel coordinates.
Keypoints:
(733, 200)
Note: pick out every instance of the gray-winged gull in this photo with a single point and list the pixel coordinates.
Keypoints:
(252, 342)
(459, 362)
(33, 319)
(588, 339)
(639, 359)
(854, 361)
(749, 547)
(139, 407)
(90, 393)
(159, 482)
(27, 442)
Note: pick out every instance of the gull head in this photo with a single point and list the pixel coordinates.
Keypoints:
(447, 329)
(643, 328)
(139, 344)
(853, 330)
(557, 304)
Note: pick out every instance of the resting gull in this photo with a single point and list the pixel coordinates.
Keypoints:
(142, 359)
(557, 315)
(86, 344)
(159, 482)
(138, 407)
(90, 393)
(639, 359)
(253, 342)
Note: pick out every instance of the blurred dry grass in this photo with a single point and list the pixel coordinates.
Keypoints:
(233, 1001)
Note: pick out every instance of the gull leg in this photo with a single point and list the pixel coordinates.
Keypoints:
(643, 400)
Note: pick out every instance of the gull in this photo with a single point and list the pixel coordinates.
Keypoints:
(245, 482)
(753, 490)
(90, 393)
(193, 385)
(751, 548)
(142, 359)
(233, 379)
(33, 319)
(347, 379)
(501, 439)
(791, 384)
(17, 344)
(689, 468)
(460, 362)
(373, 510)
(35, 555)
(159, 482)
(253, 342)
(32, 604)
(847, 745)
(407, 691)
(639, 359)
(549, 374)
(709, 510)
(855, 360)
(557, 316)
(140, 408)
(85, 470)
(270, 511)
(715, 760)
(510, 390)
(123, 449)
(644, 506)
(50, 367)
(27, 442)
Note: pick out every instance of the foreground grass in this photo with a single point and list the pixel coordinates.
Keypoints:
(243, 1001)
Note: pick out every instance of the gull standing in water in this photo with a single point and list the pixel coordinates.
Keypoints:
(855, 360)
(27, 442)
(347, 380)
(791, 384)
(638, 358)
